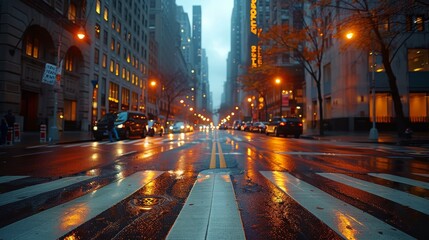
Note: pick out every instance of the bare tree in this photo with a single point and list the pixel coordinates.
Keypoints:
(174, 85)
(306, 43)
(382, 26)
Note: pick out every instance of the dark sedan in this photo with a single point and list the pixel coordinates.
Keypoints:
(285, 126)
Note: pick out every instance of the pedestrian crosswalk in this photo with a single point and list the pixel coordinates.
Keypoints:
(212, 210)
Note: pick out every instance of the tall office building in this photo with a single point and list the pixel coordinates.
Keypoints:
(119, 55)
(196, 56)
(185, 34)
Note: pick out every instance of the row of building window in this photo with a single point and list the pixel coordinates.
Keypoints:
(116, 26)
(125, 95)
(418, 61)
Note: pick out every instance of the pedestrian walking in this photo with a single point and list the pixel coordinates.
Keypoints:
(10, 118)
(3, 130)
(111, 127)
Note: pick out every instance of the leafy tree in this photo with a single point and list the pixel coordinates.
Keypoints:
(306, 43)
(256, 80)
(382, 26)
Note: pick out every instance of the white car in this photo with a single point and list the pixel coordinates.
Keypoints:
(181, 127)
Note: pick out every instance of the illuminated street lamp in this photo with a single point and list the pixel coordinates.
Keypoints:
(373, 132)
(278, 82)
(53, 131)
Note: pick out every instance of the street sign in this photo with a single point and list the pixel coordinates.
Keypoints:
(50, 74)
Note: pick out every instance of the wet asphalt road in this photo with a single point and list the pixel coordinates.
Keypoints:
(267, 210)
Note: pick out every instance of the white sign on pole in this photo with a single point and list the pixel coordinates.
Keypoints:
(49, 76)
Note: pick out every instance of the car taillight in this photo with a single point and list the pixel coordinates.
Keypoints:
(282, 124)
(300, 124)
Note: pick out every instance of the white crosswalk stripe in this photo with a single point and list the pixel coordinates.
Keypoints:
(406, 199)
(394, 178)
(354, 223)
(32, 191)
(57, 221)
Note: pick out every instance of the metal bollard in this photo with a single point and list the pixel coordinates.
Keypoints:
(9, 136)
(16, 133)
(43, 133)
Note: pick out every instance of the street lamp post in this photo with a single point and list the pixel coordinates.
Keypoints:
(53, 131)
(373, 132)
(278, 82)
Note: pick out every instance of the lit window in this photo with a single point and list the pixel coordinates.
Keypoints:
(117, 69)
(106, 14)
(112, 44)
(72, 13)
(118, 27)
(32, 46)
(415, 23)
(419, 107)
(112, 66)
(113, 92)
(97, 31)
(378, 65)
(69, 63)
(104, 61)
(418, 60)
(98, 6)
(113, 22)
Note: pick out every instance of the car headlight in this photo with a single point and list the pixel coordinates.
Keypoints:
(171, 127)
(120, 126)
(95, 128)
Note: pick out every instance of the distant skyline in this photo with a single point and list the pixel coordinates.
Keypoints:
(216, 26)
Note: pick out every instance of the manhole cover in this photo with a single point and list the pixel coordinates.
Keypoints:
(147, 203)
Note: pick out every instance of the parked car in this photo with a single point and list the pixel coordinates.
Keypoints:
(181, 127)
(154, 128)
(258, 127)
(127, 124)
(246, 126)
(236, 125)
(285, 126)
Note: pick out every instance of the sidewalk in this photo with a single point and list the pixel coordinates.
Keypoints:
(33, 138)
(418, 138)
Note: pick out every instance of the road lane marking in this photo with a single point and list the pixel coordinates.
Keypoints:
(399, 179)
(222, 162)
(4, 179)
(403, 198)
(37, 189)
(345, 219)
(57, 221)
(210, 211)
(213, 159)
(213, 156)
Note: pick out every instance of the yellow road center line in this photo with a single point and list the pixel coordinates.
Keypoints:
(213, 156)
(221, 157)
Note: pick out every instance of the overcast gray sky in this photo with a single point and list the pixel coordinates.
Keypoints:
(216, 22)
